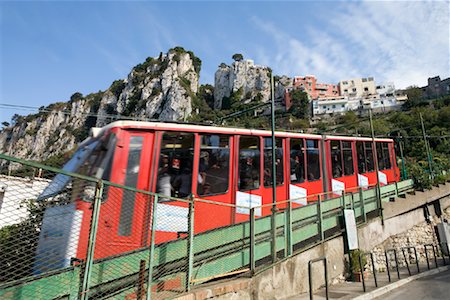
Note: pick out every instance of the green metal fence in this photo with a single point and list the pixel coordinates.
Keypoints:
(43, 255)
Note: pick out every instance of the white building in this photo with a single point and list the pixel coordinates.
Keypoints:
(330, 105)
(14, 193)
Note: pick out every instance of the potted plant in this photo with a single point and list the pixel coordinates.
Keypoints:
(355, 266)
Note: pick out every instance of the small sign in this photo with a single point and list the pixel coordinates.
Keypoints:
(337, 186)
(350, 229)
(363, 181)
(171, 218)
(298, 194)
(382, 177)
(250, 201)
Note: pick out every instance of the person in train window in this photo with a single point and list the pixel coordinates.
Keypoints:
(249, 175)
(182, 182)
(203, 167)
(296, 170)
(163, 186)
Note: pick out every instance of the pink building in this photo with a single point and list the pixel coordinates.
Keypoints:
(313, 89)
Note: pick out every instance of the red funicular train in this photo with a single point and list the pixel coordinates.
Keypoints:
(225, 165)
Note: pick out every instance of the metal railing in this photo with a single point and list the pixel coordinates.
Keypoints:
(61, 246)
(310, 263)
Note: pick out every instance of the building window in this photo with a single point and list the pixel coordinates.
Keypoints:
(343, 105)
(345, 82)
(354, 89)
(345, 91)
(334, 106)
(366, 89)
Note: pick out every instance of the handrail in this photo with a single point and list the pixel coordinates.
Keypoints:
(362, 269)
(406, 261)
(324, 259)
(387, 262)
(426, 255)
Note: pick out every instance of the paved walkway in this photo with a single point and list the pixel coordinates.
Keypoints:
(354, 290)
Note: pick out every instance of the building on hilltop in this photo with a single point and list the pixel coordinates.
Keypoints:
(357, 87)
(436, 87)
(313, 89)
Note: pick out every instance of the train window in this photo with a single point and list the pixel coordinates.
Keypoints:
(214, 164)
(131, 179)
(313, 159)
(249, 154)
(268, 161)
(361, 157)
(175, 165)
(381, 162)
(386, 156)
(336, 159)
(369, 157)
(297, 161)
(347, 157)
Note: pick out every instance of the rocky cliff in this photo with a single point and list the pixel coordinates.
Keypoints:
(161, 88)
(242, 81)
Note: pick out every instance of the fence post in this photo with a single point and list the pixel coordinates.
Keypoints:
(320, 215)
(151, 253)
(252, 241)
(273, 227)
(190, 245)
(92, 238)
(289, 229)
(363, 209)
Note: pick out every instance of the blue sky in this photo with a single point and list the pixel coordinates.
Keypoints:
(50, 50)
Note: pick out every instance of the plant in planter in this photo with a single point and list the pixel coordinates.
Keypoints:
(355, 266)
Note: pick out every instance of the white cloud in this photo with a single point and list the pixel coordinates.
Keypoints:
(404, 42)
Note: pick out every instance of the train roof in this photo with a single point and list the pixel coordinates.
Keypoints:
(142, 125)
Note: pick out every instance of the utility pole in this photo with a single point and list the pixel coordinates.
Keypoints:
(375, 154)
(427, 148)
(400, 144)
(274, 170)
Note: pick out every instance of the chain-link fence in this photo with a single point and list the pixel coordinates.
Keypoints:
(81, 237)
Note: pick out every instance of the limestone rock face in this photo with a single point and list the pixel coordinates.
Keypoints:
(244, 80)
(161, 88)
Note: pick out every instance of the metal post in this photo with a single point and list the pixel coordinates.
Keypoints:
(92, 238)
(324, 259)
(252, 241)
(361, 267)
(274, 170)
(375, 154)
(404, 172)
(396, 263)
(406, 261)
(320, 215)
(387, 265)
(363, 209)
(289, 229)
(190, 245)
(427, 148)
(151, 252)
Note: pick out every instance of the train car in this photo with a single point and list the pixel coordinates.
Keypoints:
(351, 163)
(225, 165)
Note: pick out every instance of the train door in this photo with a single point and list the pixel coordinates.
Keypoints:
(214, 178)
(124, 211)
(267, 187)
(304, 165)
(386, 166)
(366, 165)
(173, 178)
(249, 180)
(341, 166)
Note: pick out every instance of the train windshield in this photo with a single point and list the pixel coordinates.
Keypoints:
(92, 159)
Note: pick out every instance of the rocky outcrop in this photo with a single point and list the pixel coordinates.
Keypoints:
(161, 88)
(242, 81)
